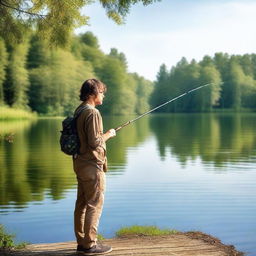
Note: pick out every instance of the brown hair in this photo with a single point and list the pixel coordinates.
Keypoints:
(91, 87)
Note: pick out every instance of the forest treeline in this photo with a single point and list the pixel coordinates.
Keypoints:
(47, 80)
(233, 85)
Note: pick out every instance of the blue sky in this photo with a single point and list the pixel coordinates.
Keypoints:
(166, 31)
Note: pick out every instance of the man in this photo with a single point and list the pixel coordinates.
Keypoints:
(90, 166)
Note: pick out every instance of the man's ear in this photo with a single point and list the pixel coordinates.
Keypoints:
(92, 96)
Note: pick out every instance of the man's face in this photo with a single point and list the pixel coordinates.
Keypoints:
(98, 99)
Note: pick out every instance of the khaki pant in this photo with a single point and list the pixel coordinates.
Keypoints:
(89, 203)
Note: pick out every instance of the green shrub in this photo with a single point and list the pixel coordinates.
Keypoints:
(100, 237)
(7, 242)
(144, 230)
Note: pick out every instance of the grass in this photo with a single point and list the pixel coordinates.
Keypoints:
(7, 241)
(7, 113)
(100, 237)
(144, 231)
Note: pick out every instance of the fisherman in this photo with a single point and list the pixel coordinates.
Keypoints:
(90, 166)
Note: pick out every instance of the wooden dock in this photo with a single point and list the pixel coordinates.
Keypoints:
(181, 244)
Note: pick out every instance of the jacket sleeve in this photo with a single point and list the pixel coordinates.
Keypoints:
(94, 130)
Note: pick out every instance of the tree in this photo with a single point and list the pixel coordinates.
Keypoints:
(38, 54)
(183, 77)
(143, 90)
(236, 74)
(54, 87)
(17, 82)
(159, 94)
(3, 64)
(246, 64)
(191, 74)
(210, 95)
(89, 39)
(120, 93)
(54, 20)
(88, 50)
(120, 56)
(222, 63)
(254, 65)
(244, 85)
(206, 61)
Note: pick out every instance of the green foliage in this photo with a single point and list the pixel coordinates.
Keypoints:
(143, 92)
(12, 26)
(3, 64)
(232, 77)
(93, 55)
(209, 96)
(89, 39)
(100, 237)
(54, 87)
(7, 242)
(118, 9)
(7, 113)
(54, 20)
(38, 54)
(236, 74)
(159, 94)
(121, 98)
(144, 231)
(16, 83)
(120, 56)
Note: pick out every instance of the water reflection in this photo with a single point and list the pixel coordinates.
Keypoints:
(127, 138)
(187, 190)
(217, 138)
(33, 167)
(32, 164)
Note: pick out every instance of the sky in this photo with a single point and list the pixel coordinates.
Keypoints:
(166, 31)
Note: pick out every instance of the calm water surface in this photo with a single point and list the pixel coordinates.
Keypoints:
(184, 172)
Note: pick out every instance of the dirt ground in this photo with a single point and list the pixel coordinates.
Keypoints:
(180, 244)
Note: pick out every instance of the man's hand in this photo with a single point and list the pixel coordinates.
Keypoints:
(109, 134)
(112, 132)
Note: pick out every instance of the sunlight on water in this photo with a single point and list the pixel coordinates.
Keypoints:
(187, 172)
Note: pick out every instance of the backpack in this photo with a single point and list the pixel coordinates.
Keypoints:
(69, 140)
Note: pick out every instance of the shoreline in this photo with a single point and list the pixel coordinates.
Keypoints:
(192, 243)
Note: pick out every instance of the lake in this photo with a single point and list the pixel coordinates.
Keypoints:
(178, 171)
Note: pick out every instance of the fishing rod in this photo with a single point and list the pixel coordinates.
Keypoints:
(169, 101)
